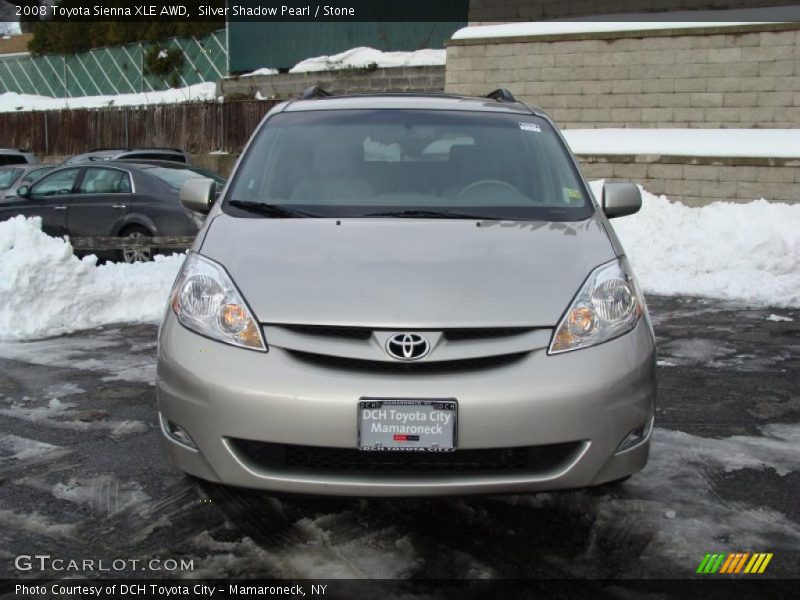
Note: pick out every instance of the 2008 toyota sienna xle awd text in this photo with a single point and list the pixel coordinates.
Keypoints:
(407, 294)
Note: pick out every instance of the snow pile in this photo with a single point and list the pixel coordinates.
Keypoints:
(200, 92)
(45, 290)
(262, 71)
(747, 252)
(366, 57)
(765, 143)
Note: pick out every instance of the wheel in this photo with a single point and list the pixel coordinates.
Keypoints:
(134, 255)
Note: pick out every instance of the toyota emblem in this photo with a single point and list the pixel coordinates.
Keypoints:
(407, 346)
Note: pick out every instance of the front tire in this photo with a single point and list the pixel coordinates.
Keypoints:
(134, 255)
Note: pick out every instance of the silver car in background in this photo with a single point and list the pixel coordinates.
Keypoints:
(407, 295)
(14, 177)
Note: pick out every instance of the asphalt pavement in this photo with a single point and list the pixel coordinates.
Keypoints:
(83, 476)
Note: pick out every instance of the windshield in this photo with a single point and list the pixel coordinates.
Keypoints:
(416, 163)
(8, 177)
(176, 177)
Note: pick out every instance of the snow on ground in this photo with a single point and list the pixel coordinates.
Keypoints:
(675, 497)
(36, 523)
(200, 92)
(763, 143)
(364, 57)
(747, 252)
(15, 448)
(45, 290)
(779, 318)
(630, 22)
(104, 493)
(262, 71)
(102, 354)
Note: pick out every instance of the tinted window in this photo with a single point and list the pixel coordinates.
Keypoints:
(361, 162)
(58, 183)
(34, 174)
(13, 159)
(175, 178)
(8, 177)
(105, 181)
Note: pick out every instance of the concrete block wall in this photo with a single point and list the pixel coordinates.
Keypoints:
(292, 85)
(700, 181)
(742, 77)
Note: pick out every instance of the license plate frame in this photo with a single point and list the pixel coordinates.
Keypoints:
(386, 441)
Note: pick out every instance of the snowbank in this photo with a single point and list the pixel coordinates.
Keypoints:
(262, 71)
(364, 57)
(746, 252)
(762, 143)
(632, 22)
(46, 291)
(200, 92)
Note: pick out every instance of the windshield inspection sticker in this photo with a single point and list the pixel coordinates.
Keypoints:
(571, 195)
(530, 127)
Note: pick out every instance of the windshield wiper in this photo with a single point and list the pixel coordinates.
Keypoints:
(271, 210)
(428, 214)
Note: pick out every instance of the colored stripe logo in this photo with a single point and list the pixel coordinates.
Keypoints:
(735, 562)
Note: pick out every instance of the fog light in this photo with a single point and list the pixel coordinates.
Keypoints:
(636, 437)
(177, 433)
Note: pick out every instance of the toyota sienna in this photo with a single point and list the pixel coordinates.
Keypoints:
(407, 295)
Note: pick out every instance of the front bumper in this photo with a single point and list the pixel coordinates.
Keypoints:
(593, 397)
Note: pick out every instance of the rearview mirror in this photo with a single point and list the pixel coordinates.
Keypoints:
(198, 194)
(620, 199)
(24, 191)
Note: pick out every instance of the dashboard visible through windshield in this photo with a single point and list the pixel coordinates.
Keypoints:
(408, 163)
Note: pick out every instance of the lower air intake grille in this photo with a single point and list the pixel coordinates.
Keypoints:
(314, 459)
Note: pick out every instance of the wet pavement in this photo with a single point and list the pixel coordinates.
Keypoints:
(83, 475)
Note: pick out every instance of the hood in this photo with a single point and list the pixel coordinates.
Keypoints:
(407, 273)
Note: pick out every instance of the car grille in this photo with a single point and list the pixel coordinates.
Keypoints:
(364, 333)
(350, 333)
(380, 366)
(314, 459)
(483, 333)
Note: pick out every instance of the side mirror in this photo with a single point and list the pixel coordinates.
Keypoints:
(198, 194)
(620, 199)
(24, 191)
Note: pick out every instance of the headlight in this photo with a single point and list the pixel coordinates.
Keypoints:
(206, 301)
(607, 306)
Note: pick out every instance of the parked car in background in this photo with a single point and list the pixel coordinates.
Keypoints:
(170, 154)
(12, 177)
(16, 156)
(125, 199)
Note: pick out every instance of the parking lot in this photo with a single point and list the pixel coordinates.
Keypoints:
(83, 475)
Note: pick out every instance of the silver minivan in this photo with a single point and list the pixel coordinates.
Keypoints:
(407, 295)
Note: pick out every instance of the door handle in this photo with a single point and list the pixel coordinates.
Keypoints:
(59, 208)
(119, 206)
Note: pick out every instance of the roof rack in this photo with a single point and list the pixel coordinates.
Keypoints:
(501, 95)
(315, 92)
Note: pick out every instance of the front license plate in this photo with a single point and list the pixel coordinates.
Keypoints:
(415, 425)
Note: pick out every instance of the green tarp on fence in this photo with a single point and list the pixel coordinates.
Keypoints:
(112, 70)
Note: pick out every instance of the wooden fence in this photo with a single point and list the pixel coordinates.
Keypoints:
(197, 127)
